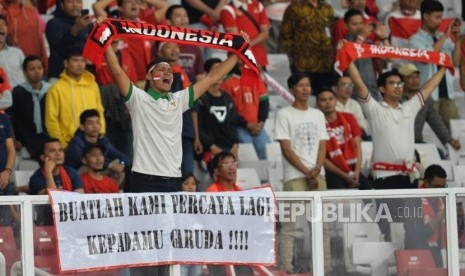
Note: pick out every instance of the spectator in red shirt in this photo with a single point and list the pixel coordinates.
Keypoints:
(250, 17)
(94, 180)
(343, 149)
(103, 75)
(140, 50)
(252, 106)
(340, 29)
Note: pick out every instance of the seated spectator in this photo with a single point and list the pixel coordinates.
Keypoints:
(343, 149)
(7, 156)
(344, 89)
(217, 119)
(429, 230)
(190, 184)
(190, 128)
(74, 92)
(411, 77)
(224, 172)
(66, 30)
(25, 30)
(89, 134)
(94, 180)
(252, 109)
(53, 174)
(12, 57)
(190, 57)
(28, 110)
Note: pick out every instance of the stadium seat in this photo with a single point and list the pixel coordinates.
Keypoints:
(21, 179)
(247, 178)
(260, 166)
(427, 151)
(410, 259)
(367, 153)
(247, 152)
(358, 232)
(275, 178)
(8, 247)
(44, 240)
(273, 152)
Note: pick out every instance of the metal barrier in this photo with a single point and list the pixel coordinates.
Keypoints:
(315, 202)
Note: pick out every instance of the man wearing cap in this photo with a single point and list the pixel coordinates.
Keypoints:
(157, 121)
(301, 132)
(343, 149)
(411, 77)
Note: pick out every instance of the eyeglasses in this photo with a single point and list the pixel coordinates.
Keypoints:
(396, 84)
(347, 85)
(228, 165)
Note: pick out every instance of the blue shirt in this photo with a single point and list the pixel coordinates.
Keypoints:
(37, 181)
(424, 41)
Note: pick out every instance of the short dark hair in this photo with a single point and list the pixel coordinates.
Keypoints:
(434, 171)
(429, 6)
(322, 89)
(29, 59)
(86, 114)
(74, 51)
(185, 175)
(218, 158)
(154, 62)
(352, 12)
(88, 148)
(47, 141)
(207, 66)
(2, 17)
(295, 78)
(382, 79)
(169, 12)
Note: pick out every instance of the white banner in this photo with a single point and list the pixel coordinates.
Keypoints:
(121, 230)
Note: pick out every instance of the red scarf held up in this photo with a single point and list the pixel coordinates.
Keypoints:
(343, 156)
(102, 35)
(353, 51)
(65, 180)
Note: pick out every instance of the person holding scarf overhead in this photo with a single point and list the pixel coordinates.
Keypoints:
(157, 121)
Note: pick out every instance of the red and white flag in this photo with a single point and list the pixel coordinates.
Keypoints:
(403, 28)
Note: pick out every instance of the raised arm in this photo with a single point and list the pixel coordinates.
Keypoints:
(360, 87)
(120, 77)
(160, 8)
(213, 76)
(100, 6)
(432, 83)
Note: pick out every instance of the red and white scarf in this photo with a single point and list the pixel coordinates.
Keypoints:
(102, 35)
(353, 51)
